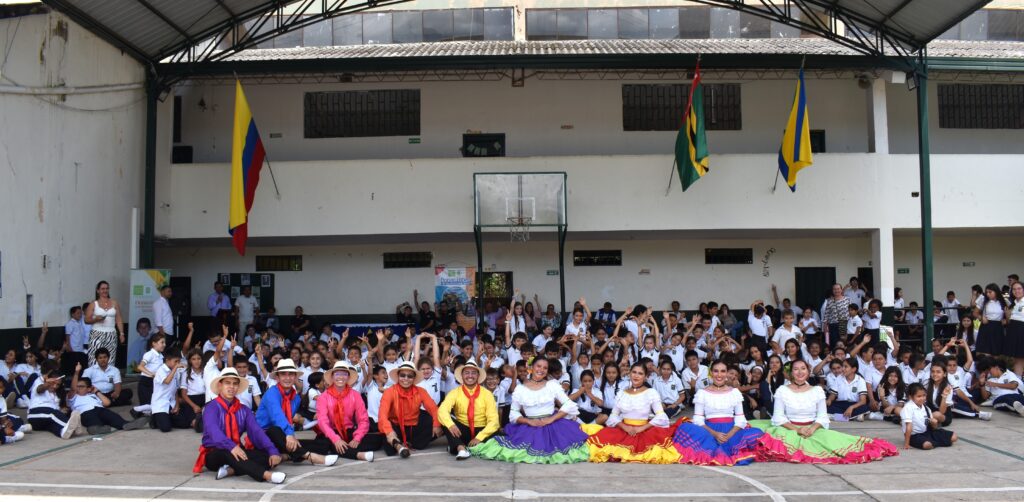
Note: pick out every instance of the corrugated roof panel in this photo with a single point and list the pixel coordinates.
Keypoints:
(130, 21)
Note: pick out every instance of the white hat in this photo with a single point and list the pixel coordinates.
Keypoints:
(353, 374)
(469, 364)
(229, 373)
(393, 374)
(285, 366)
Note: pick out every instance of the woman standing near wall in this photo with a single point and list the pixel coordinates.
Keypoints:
(990, 334)
(104, 314)
(834, 314)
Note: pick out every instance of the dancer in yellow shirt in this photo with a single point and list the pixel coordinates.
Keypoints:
(474, 410)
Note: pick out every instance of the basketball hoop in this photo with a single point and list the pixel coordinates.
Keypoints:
(519, 228)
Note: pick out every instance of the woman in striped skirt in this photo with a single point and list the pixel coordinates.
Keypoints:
(105, 316)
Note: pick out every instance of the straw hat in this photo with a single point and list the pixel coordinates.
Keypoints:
(393, 374)
(353, 373)
(469, 364)
(243, 383)
(285, 366)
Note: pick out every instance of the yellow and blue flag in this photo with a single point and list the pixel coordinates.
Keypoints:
(795, 152)
(247, 156)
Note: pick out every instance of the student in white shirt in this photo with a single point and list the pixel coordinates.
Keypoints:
(854, 325)
(193, 388)
(808, 323)
(165, 407)
(246, 308)
(92, 406)
(759, 324)
(374, 393)
(920, 430)
(315, 386)
(849, 396)
(252, 394)
(609, 386)
(670, 388)
(785, 333)
(1001, 386)
(44, 409)
(151, 361)
(589, 400)
(107, 379)
(873, 319)
(951, 307)
(694, 376)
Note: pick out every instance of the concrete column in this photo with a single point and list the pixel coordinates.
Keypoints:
(882, 263)
(878, 125)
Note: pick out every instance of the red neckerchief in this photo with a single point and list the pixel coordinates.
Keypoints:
(230, 430)
(471, 409)
(339, 410)
(286, 402)
(403, 396)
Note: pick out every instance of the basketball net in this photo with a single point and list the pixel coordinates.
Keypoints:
(519, 228)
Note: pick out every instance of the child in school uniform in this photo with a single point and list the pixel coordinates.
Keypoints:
(848, 400)
(670, 388)
(86, 400)
(164, 405)
(1001, 386)
(315, 386)
(920, 429)
(588, 400)
(14, 429)
(506, 386)
(44, 408)
(374, 392)
(151, 361)
(250, 396)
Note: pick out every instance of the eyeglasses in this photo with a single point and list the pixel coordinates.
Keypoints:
(340, 374)
(406, 375)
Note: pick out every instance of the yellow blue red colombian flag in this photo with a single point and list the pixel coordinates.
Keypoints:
(795, 152)
(247, 156)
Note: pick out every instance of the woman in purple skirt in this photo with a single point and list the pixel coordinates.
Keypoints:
(541, 429)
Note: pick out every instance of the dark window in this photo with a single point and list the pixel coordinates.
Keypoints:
(817, 141)
(694, 22)
(177, 119)
(633, 24)
(983, 106)
(469, 24)
(602, 258)
(408, 27)
(498, 24)
(660, 107)
(541, 24)
(437, 25)
(413, 259)
(1005, 24)
(279, 263)
(572, 24)
(728, 256)
(483, 145)
(602, 24)
(353, 114)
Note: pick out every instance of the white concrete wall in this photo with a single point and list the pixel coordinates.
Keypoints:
(995, 255)
(531, 117)
(853, 191)
(68, 178)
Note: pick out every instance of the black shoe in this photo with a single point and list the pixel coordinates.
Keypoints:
(134, 414)
(99, 429)
(198, 426)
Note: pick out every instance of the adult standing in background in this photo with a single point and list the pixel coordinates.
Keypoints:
(163, 318)
(855, 292)
(246, 308)
(300, 323)
(218, 300)
(834, 314)
(104, 314)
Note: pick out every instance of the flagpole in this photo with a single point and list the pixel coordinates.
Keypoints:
(671, 175)
(266, 159)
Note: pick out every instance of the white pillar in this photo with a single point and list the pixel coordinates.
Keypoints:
(878, 127)
(882, 263)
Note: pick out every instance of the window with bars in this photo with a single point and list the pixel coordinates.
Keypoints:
(660, 107)
(279, 263)
(356, 114)
(600, 258)
(408, 259)
(981, 106)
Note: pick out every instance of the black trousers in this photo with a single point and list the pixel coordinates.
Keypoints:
(102, 416)
(48, 419)
(167, 421)
(254, 467)
(123, 399)
(464, 438)
(186, 410)
(323, 446)
(417, 436)
(145, 390)
(280, 440)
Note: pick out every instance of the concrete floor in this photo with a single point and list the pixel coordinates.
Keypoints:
(987, 464)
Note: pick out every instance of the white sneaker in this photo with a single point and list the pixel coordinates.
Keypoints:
(462, 455)
(27, 428)
(839, 417)
(74, 422)
(368, 456)
(22, 403)
(987, 404)
(18, 436)
(985, 415)
(277, 477)
(309, 425)
(222, 472)
(757, 414)
(875, 415)
(1017, 405)
(330, 460)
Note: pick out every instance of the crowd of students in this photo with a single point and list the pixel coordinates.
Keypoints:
(604, 386)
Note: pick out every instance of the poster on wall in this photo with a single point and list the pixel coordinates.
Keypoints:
(454, 285)
(145, 290)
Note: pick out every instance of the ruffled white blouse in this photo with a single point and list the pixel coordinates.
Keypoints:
(643, 406)
(530, 403)
(719, 405)
(807, 406)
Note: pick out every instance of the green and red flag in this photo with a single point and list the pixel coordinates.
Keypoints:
(692, 142)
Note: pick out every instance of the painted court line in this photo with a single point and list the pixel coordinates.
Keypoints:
(269, 495)
(774, 495)
(985, 446)
(519, 494)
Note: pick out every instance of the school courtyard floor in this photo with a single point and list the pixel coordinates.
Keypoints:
(987, 464)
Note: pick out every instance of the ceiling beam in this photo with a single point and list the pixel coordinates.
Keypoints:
(167, 20)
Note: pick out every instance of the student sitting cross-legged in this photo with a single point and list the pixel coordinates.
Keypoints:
(91, 404)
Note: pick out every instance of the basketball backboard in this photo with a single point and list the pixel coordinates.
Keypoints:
(505, 200)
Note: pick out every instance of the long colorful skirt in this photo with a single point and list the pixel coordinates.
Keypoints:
(560, 442)
(825, 446)
(652, 446)
(697, 446)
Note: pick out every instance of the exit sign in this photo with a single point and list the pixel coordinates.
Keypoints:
(552, 272)
(968, 263)
(903, 271)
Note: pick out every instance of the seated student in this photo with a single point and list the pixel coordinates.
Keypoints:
(91, 404)
(315, 385)
(963, 402)
(225, 420)
(24, 376)
(374, 392)
(506, 385)
(400, 409)
(695, 375)
(165, 407)
(891, 394)
(193, 389)
(849, 396)
(669, 387)
(342, 422)
(469, 413)
(14, 428)
(920, 429)
(1002, 387)
(44, 408)
(252, 394)
(107, 379)
(277, 414)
